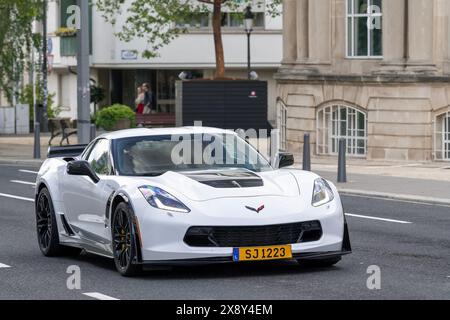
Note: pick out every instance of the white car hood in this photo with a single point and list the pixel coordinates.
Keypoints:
(208, 185)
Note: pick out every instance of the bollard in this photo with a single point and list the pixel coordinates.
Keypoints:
(342, 166)
(93, 132)
(37, 141)
(274, 146)
(306, 153)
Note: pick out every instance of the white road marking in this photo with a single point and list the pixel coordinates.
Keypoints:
(376, 218)
(4, 266)
(99, 296)
(16, 197)
(29, 171)
(384, 198)
(24, 182)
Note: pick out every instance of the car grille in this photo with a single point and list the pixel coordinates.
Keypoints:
(254, 235)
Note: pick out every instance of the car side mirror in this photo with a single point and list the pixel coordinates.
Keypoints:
(284, 160)
(82, 168)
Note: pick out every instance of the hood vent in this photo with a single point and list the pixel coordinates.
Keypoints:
(237, 183)
(228, 179)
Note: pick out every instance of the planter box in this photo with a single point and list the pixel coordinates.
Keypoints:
(22, 119)
(122, 124)
(7, 120)
(68, 46)
(228, 104)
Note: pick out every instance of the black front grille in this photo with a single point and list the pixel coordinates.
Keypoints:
(254, 236)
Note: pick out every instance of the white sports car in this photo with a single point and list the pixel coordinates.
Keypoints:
(148, 197)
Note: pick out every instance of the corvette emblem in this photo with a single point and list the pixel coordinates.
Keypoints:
(258, 210)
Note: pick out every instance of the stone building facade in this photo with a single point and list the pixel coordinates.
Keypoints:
(375, 72)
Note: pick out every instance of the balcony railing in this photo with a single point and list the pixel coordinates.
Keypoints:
(68, 46)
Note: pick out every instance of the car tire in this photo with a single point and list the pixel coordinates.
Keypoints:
(47, 228)
(124, 244)
(322, 263)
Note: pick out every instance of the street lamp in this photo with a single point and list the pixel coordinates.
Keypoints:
(248, 23)
(44, 67)
(40, 27)
(37, 29)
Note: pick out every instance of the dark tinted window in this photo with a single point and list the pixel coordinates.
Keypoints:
(99, 157)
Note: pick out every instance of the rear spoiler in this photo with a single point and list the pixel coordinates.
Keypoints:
(66, 151)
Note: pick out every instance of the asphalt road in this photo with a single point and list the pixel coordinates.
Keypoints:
(414, 259)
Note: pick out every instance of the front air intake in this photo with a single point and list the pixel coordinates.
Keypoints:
(254, 236)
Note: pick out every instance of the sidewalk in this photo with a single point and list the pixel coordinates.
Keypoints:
(19, 148)
(409, 189)
(413, 181)
(419, 181)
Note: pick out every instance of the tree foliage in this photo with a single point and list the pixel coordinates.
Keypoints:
(16, 40)
(156, 20)
(27, 97)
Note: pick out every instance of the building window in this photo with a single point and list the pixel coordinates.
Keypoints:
(230, 20)
(442, 142)
(195, 20)
(236, 20)
(364, 29)
(338, 121)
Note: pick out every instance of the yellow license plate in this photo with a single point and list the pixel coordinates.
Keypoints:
(262, 253)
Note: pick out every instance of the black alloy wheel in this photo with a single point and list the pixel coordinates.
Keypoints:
(47, 228)
(124, 243)
(44, 221)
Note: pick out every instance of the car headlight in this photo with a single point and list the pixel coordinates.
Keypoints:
(163, 200)
(322, 193)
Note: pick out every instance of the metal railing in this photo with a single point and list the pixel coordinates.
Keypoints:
(441, 143)
(282, 123)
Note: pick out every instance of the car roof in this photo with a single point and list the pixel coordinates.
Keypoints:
(140, 132)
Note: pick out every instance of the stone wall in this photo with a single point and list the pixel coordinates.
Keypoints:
(415, 37)
(400, 117)
(401, 92)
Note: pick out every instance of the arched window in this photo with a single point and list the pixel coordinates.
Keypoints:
(442, 140)
(340, 121)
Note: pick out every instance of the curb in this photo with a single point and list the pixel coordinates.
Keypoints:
(24, 162)
(401, 197)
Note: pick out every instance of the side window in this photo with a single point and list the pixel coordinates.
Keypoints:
(88, 150)
(99, 158)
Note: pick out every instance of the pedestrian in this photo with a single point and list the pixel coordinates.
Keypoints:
(140, 100)
(148, 99)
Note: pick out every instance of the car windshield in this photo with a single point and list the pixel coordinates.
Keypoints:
(155, 155)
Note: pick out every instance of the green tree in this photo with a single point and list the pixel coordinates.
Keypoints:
(156, 20)
(16, 40)
(27, 97)
(97, 95)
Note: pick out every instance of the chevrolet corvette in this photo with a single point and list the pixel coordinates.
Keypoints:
(182, 196)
